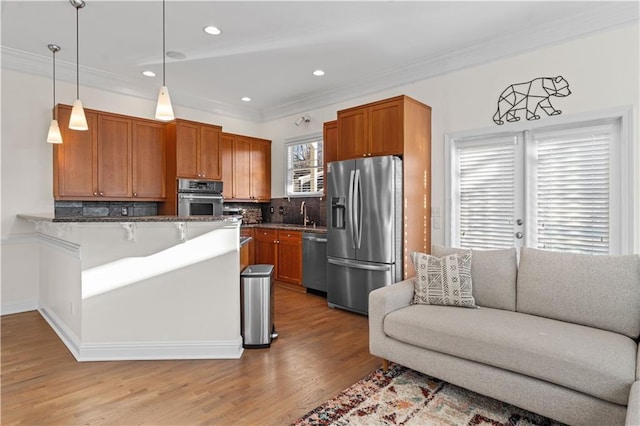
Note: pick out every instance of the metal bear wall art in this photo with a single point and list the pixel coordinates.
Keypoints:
(530, 97)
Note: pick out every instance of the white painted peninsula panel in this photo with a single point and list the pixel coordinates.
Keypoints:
(142, 290)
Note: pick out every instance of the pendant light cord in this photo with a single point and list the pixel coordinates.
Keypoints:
(163, 45)
(77, 53)
(54, 85)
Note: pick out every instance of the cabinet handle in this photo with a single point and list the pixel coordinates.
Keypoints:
(364, 155)
(95, 194)
(102, 194)
(135, 195)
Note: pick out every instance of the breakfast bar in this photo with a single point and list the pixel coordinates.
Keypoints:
(155, 287)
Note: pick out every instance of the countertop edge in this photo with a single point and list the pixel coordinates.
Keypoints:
(128, 219)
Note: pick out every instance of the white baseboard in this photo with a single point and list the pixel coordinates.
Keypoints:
(131, 351)
(18, 306)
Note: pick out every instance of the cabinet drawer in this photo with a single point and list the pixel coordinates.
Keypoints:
(266, 234)
(291, 237)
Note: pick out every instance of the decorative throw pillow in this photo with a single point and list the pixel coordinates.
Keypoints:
(443, 280)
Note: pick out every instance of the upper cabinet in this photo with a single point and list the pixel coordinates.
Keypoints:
(149, 156)
(329, 145)
(372, 130)
(246, 168)
(397, 126)
(197, 150)
(117, 159)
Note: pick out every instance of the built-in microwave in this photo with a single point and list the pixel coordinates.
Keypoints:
(200, 197)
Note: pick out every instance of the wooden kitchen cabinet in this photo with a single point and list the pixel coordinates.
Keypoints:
(283, 249)
(114, 157)
(371, 130)
(197, 150)
(118, 158)
(75, 174)
(329, 147)
(289, 256)
(266, 246)
(247, 251)
(149, 160)
(246, 168)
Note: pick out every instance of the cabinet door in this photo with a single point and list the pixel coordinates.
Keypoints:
(114, 156)
(149, 160)
(265, 246)
(187, 150)
(260, 169)
(74, 161)
(289, 257)
(226, 160)
(251, 251)
(209, 152)
(329, 147)
(242, 168)
(386, 131)
(353, 133)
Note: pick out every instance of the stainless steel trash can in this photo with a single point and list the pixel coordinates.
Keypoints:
(256, 314)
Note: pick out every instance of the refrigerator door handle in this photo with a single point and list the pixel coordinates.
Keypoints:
(350, 206)
(359, 209)
(349, 264)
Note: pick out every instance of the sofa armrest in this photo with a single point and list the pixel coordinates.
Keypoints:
(381, 302)
(633, 407)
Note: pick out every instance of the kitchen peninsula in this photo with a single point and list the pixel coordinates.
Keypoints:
(154, 287)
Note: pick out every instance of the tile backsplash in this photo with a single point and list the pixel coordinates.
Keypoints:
(104, 208)
(289, 210)
(285, 210)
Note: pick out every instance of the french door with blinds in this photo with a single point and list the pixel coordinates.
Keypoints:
(550, 188)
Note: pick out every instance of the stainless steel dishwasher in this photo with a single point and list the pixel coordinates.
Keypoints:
(314, 261)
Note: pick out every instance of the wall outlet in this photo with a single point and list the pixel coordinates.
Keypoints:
(436, 222)
(271, 209)
(435, 211)
(281, 209)
(124, 211)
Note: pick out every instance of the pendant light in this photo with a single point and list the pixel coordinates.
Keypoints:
(164, 110)
(78, 121)
(54, 135)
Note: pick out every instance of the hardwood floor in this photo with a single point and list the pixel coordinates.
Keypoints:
(320, 352)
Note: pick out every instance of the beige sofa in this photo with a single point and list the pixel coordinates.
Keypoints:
(557, 335)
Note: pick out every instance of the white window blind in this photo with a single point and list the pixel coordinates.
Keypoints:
(304, 161)
(572, 189)
(556, 188)
(487, 193)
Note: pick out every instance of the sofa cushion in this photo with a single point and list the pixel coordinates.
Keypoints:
(598, 291)
(443, 280)
(493, 273)
(597, 362)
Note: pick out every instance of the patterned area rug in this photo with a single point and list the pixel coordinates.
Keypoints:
(405, 397)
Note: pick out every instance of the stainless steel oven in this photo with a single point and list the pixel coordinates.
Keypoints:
(199, 197)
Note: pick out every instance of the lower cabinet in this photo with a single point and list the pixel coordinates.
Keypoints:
(247, 251)
(283, 249)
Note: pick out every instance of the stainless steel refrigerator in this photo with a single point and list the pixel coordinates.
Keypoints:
(364, 229)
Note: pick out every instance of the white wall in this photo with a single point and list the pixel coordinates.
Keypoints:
(602, 70)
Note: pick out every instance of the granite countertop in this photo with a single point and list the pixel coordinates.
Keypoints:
(119, 219)
(291, 226)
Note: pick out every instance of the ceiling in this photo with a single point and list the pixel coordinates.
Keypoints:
(268, 50)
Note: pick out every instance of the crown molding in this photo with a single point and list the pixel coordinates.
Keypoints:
(556, 31)
(553, 33)
(21, 61)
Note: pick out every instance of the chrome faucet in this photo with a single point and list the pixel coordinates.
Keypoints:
(303, 211)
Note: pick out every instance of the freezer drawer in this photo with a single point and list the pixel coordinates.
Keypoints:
(349, 282)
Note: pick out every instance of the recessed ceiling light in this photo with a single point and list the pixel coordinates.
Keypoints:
(149, 73)
(212, 30)
(246, 99)
(176, 55)
(318, 73)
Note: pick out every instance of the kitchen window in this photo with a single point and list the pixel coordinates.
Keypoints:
(304, 160)
(555, 188)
